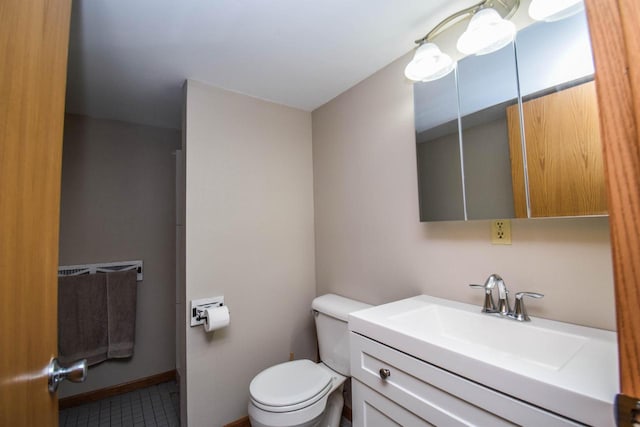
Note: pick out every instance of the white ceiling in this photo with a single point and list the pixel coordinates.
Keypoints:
(128, 59)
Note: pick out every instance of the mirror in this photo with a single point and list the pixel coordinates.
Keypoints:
(560, 120)
(469, 144)
(487, 85)
(438, 150)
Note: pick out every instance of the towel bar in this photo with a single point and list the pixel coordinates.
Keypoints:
(104, 267)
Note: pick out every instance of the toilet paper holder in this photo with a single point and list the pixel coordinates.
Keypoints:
(201, 314)
(198, 307)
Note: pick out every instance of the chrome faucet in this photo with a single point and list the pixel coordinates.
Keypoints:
(504, 308)
(490, 284)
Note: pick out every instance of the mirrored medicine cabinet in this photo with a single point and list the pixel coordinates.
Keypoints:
(514, 133)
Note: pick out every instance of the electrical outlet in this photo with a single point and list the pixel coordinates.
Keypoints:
(501, 232)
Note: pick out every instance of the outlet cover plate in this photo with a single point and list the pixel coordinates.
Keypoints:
(501, 232)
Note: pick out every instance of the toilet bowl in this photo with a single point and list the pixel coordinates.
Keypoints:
(293, 394)
(303, 393)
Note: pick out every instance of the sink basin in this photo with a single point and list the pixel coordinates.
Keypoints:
(465, 331)
(567, 369)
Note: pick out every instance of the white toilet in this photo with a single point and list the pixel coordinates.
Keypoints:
(302, 393)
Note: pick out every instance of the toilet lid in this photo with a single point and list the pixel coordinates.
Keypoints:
(289, 383)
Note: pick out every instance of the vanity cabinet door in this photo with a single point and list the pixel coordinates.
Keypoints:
(563, 152)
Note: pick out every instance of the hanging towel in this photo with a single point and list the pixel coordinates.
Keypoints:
(121, 306)
(82, 318)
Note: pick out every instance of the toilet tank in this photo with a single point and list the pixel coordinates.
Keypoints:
(331, 315)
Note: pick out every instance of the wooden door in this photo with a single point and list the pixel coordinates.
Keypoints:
(564, 154)
(34, 36)
(615, 37)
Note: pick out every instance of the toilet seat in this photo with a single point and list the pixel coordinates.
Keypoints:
(290, 386)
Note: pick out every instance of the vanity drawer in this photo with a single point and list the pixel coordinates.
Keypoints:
(438, 396)
(375, 410)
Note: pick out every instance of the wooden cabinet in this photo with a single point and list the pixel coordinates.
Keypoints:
(563, 154)
(417, 393)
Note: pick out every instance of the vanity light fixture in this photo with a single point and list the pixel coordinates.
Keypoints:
(554, 10)
(428, 64)
(488, 31)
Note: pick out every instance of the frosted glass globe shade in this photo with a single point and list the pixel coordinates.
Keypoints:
(428, 63)
(554, 10)
(486, 33)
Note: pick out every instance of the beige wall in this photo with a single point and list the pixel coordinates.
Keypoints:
(118, 204)
(371, 246)
(249, 237)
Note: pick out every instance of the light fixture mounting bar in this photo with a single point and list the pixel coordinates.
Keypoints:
(506, 9)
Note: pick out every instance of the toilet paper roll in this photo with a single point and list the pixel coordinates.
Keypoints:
(217, 318)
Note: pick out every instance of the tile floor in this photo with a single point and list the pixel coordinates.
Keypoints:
(156, 406)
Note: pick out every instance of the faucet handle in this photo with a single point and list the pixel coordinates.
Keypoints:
(489, 305)
(520, 312)
(521, 295)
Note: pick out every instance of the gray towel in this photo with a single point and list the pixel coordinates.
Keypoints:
(82, 318)
(121, 303)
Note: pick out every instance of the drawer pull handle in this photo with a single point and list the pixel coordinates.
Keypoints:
(384, 373)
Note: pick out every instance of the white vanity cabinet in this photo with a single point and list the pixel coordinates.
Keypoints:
(417, 393)
(445, 363)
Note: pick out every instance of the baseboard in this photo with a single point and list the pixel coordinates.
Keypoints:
(92, 396)
(242, 422)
